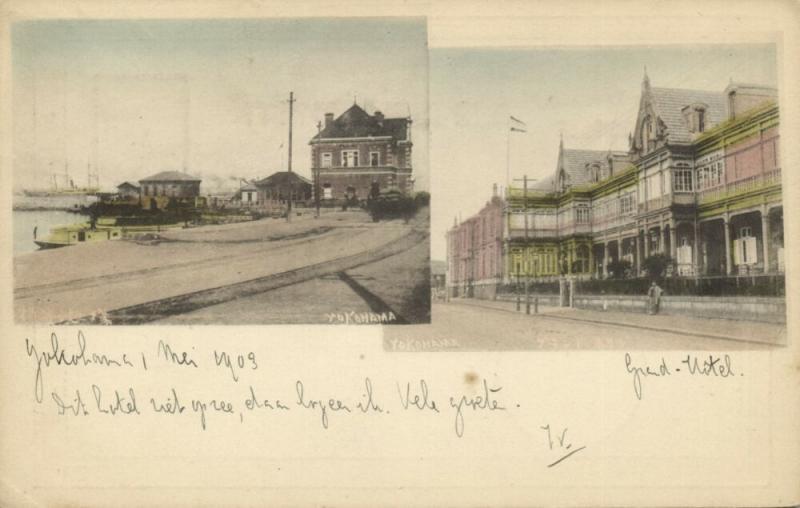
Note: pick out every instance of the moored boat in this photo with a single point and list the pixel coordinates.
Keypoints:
(73, 234)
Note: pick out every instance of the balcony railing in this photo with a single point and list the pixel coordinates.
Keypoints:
(747, 185)
(534, 232)
(612, 222)
(656, 203)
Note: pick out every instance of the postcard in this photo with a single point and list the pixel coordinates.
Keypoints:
(440, 253)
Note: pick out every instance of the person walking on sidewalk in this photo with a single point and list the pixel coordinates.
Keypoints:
(653, 298)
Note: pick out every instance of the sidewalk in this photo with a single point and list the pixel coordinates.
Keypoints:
(727, 329)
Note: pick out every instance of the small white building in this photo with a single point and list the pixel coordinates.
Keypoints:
(248, 195)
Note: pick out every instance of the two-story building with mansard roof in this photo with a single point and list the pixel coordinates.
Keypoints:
(358, 152)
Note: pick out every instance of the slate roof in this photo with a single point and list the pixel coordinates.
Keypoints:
(357, 123)
(281, 178)
(170, 176)
(575, 163)
(668, 103)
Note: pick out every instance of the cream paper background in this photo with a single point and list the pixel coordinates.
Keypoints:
(689, 441)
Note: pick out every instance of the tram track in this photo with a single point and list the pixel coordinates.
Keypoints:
(99, 280)
(165, 307)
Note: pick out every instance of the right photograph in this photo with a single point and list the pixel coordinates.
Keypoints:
(605, 198)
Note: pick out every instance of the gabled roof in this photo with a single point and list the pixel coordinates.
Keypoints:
(170, 176)
(357, 123)
(281, 178)
(128, 184)
(668, 104)
(248, 187)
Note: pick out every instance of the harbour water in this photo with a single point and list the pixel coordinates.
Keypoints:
(25, 221)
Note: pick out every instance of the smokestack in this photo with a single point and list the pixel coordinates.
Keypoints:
(328, 119)
(379, 117)
(494, 190)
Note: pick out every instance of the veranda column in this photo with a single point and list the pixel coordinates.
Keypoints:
(638, 255)
(728, 259)
(673, 241)
(765, 237)
(698, 268)
(646, 242)
(605, 260)
(663, 247)
(569, 259)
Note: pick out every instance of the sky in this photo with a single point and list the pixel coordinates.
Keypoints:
(209, 97)
(588, 95)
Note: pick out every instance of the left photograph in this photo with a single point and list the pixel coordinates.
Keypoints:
(221, 172)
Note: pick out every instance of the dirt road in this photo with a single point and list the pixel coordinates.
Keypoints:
(74, 282)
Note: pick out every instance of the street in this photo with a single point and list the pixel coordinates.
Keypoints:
(477, 325)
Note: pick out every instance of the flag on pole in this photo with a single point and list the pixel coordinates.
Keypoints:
(516, 124)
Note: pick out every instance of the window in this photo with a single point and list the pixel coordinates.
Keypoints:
(349, 158)
(374, 159)
(582, 215)
(327, 160)
(626, 204)
(745, 248)
(327, 191)
(682, 180)
(710, 175)
(701, 120)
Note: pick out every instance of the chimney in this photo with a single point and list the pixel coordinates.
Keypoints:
(328, 119)
(378, 116)
(494, 190)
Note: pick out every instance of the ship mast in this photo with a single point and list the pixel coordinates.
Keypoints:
(67, 182)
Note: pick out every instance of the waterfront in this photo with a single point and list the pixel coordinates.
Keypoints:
(26, 220)
(223, 274)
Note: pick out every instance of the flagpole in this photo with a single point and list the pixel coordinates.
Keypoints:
(512, 128)
(508, 160)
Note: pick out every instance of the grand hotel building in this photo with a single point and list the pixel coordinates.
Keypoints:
(700, 184)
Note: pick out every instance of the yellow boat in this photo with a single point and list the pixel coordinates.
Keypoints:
(106, 229)
(73, 234)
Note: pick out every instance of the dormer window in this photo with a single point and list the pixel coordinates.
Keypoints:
(594, 171)
(695, 118)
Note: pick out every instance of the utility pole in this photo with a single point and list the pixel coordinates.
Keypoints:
(291, 189)
(317, 164)
(525, 248)
(527, 275)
